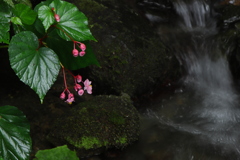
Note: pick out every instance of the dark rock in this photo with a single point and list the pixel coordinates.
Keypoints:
(132, 56)
(229, 35)
(96, 125)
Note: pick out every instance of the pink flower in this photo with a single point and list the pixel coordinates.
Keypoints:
(57, 18)
(82, 53)
(70, 95)
(80, 92)
(75, 52)
(77, 87)
(82, 46)
(69, 101)
(63, 95)
(88, 86)
(70, 98)
(78, 78)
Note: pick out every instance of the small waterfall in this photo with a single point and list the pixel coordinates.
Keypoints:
(195, 14)
(207, 69)
(210, 109)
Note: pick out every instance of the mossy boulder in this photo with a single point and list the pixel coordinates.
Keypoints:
(132, 57)
(96, 125)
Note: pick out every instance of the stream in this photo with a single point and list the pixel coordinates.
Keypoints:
(201, 119)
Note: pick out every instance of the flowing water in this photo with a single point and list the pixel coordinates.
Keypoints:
(201, 120)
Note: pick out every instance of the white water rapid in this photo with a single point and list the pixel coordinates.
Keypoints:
(206, 110)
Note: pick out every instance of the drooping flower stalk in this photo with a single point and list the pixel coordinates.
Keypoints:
(77, 87)
(70, 96)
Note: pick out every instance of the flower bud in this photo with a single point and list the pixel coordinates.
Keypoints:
(82, 53)
(56, 16)
(63, 95)
(75, 52)
(82, 47)
(80, 92)
(78, 78)
(77, 87)
(70, 96)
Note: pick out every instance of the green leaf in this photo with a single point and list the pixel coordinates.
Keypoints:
(37, 28)
(58, 153)
(45, 14)
(16, 20)
(36, 67)
(25, 13)
(27, 2)
(64, 50)
(9, 2)
(14, 134)
(5, 14)
(72, 23)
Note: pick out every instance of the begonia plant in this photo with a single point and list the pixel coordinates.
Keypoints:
(53, 35)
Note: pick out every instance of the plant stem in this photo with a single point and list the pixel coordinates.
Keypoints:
(64, 77)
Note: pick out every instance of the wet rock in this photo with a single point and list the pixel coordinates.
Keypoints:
(96, 125)
(157, 11)
(229, 35)
(132, 56)
(230, 14)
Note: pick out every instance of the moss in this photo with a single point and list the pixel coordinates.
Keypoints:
(98, 124)
(117, 119)
(87, 142)
(122, 140)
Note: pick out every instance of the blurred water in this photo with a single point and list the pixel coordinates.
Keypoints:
(203, 119)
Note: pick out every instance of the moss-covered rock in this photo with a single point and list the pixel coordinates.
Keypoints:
(132, 57)
(98, 124)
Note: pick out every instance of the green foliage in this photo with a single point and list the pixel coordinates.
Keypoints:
(45, 14)
(58, 153)
(13, 2)
(5, 14)
(25, 14)
(14, 134)
(37, 67)
(42, 43)
(74, 24)
(9, 2)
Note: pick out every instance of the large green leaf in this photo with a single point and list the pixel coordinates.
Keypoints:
(14, 134)
(5, 15)
(58, 153)
(64, 50)
(45, 14)
(25, 13)
(73, 23)
(36, 67)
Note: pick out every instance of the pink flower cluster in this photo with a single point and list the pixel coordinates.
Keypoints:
(82, 46)
(78, 88)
